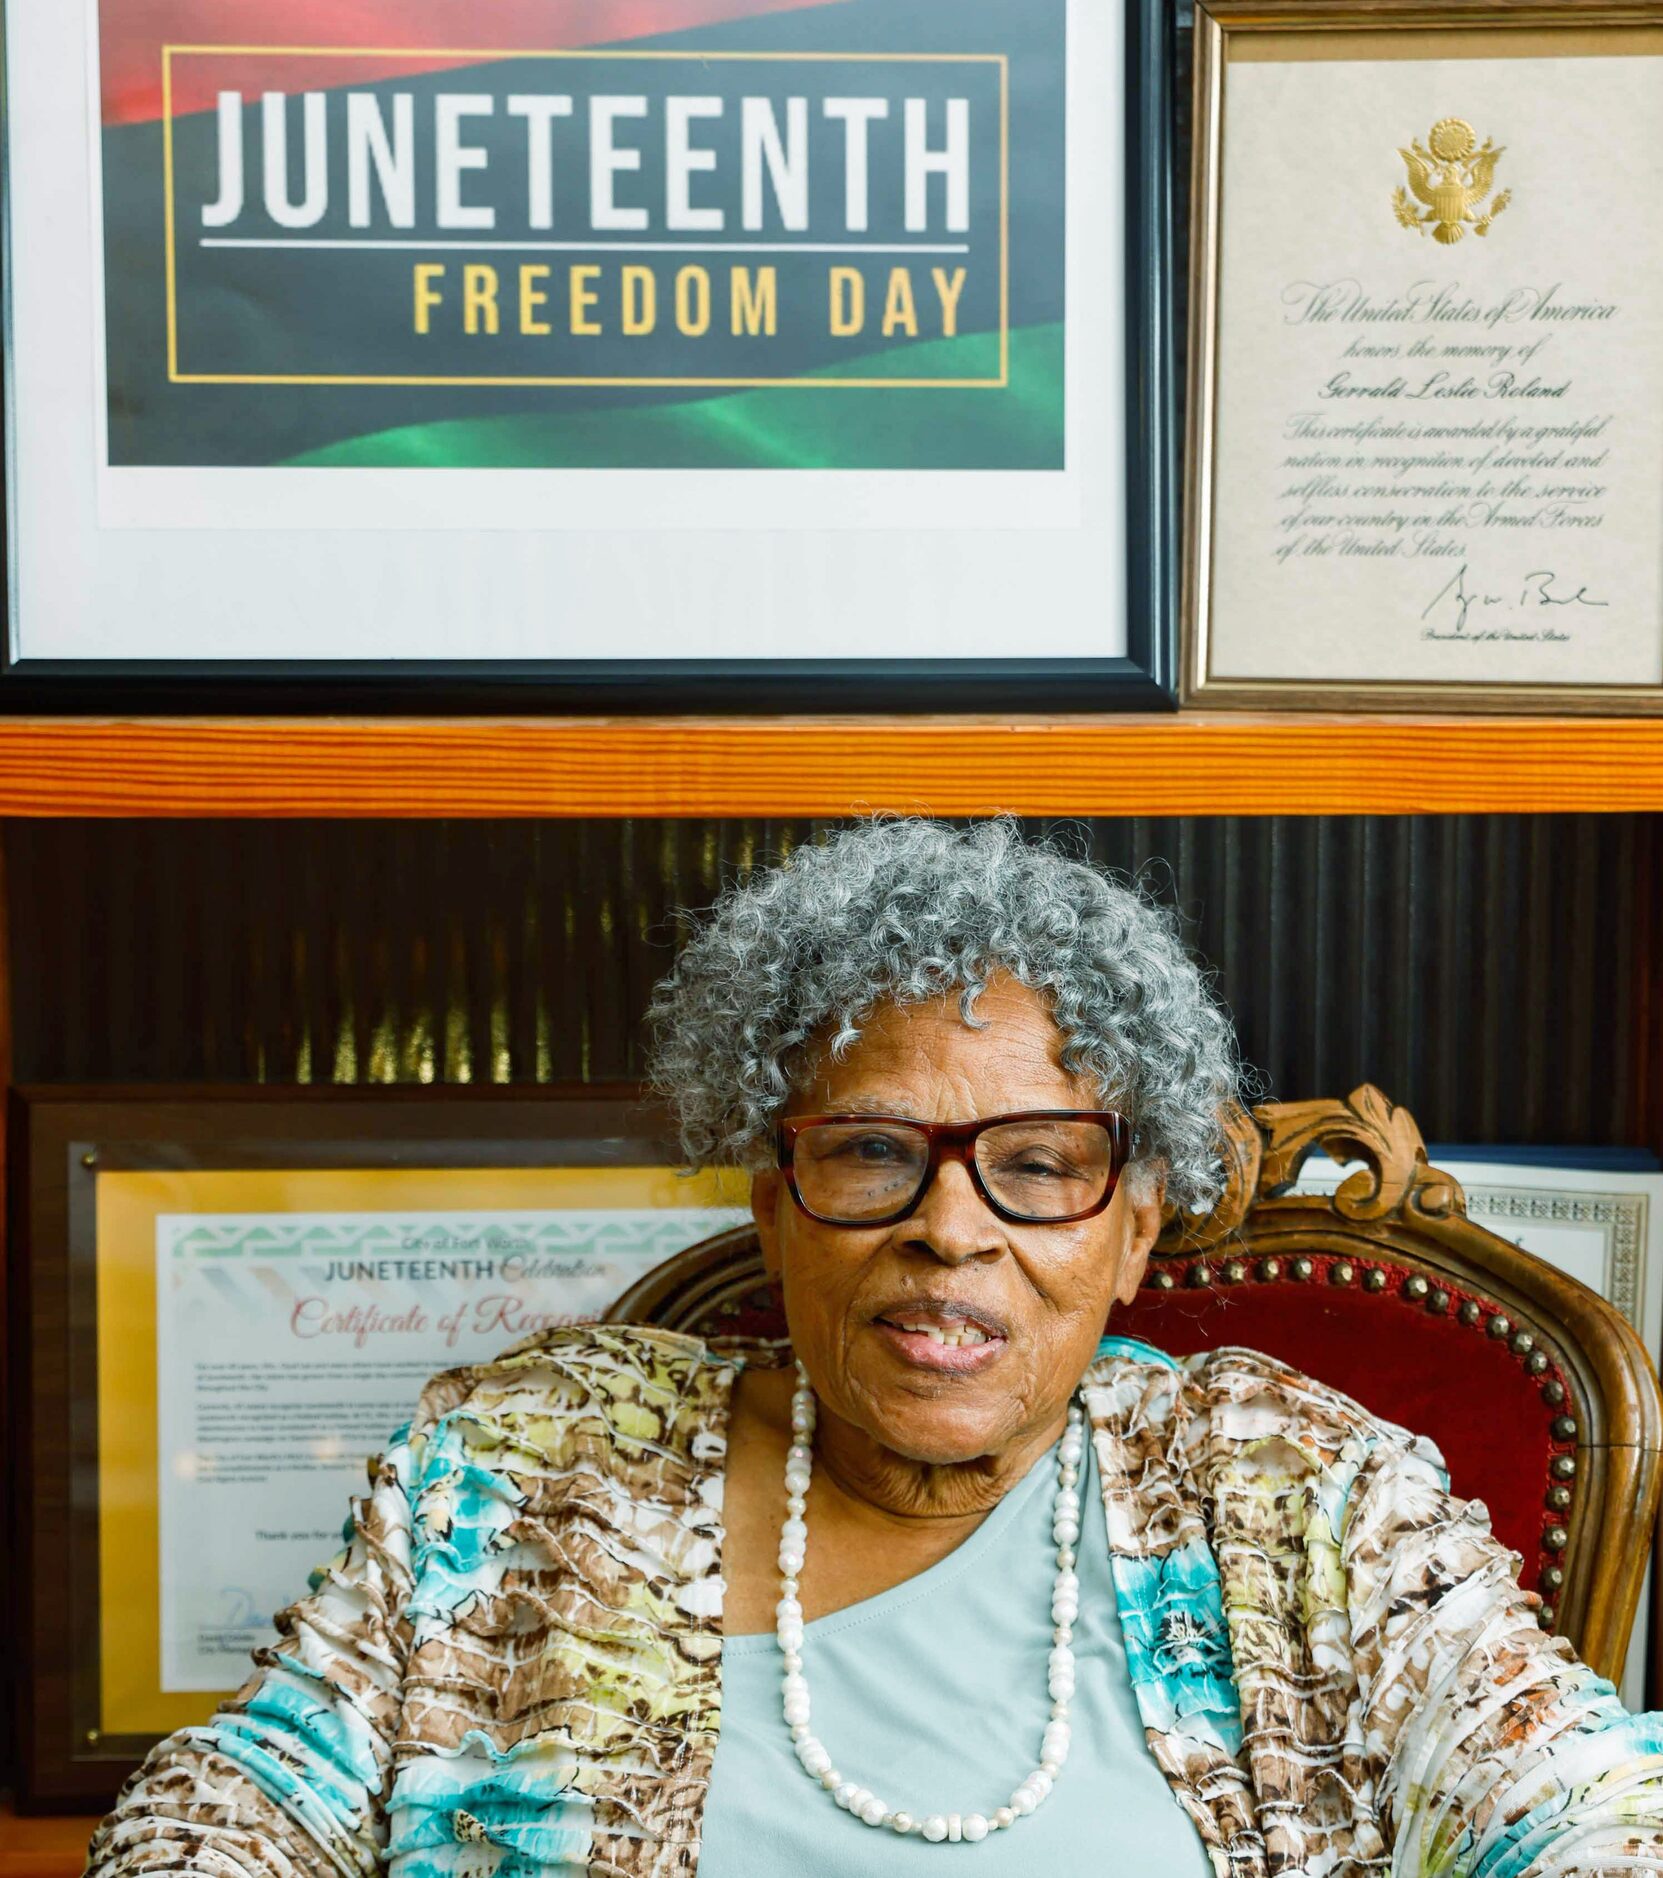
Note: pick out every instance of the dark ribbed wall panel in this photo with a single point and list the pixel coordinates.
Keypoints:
(1481, 969)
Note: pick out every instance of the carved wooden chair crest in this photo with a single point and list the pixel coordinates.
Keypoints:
(1540, 1395)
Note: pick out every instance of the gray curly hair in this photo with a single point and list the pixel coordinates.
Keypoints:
(902, 911)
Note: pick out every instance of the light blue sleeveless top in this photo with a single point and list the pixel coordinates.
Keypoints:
(932, 1694)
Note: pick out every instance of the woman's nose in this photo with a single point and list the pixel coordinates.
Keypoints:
(953, 1221)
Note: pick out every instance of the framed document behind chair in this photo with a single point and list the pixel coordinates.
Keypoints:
(711, 353)
(1426, 371)
(229, 1301)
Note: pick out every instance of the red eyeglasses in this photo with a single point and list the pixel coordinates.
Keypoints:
(1034, 1167)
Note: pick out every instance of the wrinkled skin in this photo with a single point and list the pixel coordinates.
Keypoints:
(909, 1461)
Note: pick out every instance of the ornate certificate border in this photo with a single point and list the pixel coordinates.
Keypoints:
(1621, 1219)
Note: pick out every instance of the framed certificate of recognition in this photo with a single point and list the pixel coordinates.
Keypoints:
(227, 1301)
(1426, 413)
(590, 353)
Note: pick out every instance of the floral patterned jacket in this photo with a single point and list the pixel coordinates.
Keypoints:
(515, 1664)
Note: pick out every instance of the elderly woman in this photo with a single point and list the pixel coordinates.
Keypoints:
(954, 1569)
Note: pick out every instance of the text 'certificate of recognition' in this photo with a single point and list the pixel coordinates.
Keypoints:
(1437, 443)
(290, 1346)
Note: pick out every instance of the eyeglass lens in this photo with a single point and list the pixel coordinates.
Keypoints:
(853, 1171)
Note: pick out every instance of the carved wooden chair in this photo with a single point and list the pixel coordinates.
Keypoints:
(1540, 1395)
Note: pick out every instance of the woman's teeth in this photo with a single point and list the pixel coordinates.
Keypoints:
(958, 1335)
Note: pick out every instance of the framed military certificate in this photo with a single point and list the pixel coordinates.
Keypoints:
(590, 353)
(1426, 413)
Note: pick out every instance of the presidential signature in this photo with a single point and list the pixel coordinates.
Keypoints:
(1540, 588)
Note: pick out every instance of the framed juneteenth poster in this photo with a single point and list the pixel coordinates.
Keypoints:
(659, 352)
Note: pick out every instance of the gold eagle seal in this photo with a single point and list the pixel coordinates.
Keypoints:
(1451, 174)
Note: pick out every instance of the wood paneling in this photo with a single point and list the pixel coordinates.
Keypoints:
(1491, 970)
(1189, 765)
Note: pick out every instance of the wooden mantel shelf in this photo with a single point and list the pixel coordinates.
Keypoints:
(1192, 764)
(42, 1848)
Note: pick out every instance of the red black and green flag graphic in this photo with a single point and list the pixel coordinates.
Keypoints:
(704, 234)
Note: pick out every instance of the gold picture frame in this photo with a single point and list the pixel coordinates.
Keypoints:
(1230, 35)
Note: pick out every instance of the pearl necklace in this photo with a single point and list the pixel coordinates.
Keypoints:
(788, 1630)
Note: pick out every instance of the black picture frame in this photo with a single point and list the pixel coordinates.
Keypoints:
(1145, 679)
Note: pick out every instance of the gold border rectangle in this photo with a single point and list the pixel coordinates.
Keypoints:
(132, 1701)
(1000, 59)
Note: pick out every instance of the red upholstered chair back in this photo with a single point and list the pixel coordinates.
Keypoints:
(1541, 1397)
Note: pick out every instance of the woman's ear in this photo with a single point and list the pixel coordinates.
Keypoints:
(1145, 1200)
(765, 1196)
